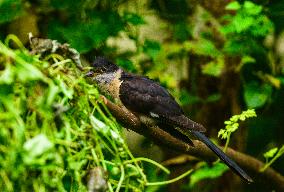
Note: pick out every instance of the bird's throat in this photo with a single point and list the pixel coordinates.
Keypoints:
(109, 83)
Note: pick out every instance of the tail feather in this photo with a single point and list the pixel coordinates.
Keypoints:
(188, 127)
(185, 123)
(229, 162)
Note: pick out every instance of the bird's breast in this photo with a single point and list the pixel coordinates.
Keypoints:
(109, 84)
(113, 88)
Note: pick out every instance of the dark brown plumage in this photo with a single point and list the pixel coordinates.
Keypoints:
(146, 98)
(142, 95)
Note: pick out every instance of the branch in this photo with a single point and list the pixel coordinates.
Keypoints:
(269, 177)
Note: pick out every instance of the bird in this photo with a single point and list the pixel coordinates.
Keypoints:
(153, 104)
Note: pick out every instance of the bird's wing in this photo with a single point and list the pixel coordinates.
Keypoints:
(142, 95)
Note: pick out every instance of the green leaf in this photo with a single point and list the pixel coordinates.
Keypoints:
(249, 113)
(273, 154)
(273, 81)
(232, 128)
(205, 47)
(256, 95)
(234, 47)
(251, 8)
(207, 172)
(242, 22)
(26, 72)
(262, 26)
(223, 134)
(214, 68)
(133, 18)
(247, 59)
(232, 125)
(234, 5)
(270, 153)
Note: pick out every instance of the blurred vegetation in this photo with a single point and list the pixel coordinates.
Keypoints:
(52, 132)
(218, 59)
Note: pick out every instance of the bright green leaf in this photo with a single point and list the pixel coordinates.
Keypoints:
(234, 5)
(252, 8)
(273, 81)
(26, 72)
(270, 153)
(242, 23)
(232, 125)
(214, 68)
(205, 47)
(247, 59)
(207, 172)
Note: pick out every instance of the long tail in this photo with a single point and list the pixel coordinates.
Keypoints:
(185, 123)
(229, 162)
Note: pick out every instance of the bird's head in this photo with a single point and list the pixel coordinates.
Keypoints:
(103, 73)
(101, 66)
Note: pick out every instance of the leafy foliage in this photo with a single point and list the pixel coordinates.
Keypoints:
(249, 21)
(55, 130)
(206, 172)
(214, 68)
(92, 31)
(271, 156)
(232, 125)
